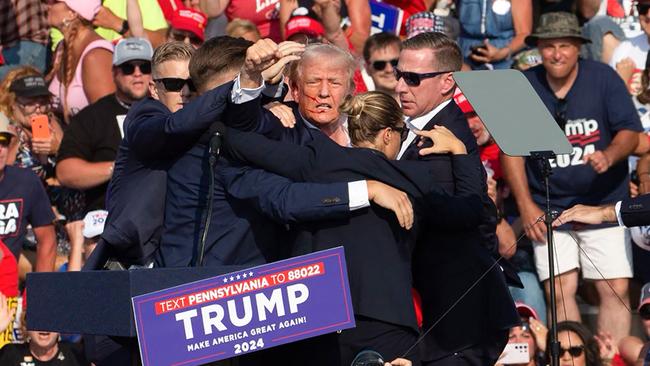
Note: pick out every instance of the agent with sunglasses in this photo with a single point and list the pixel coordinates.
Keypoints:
(593, 108)
(425, 87)
(89, 146)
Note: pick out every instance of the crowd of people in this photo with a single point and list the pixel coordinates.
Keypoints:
(336, 131)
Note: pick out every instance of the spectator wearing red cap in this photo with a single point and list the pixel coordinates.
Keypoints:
(304, 27)
(524, 334)
(264, 14)
(188, 26)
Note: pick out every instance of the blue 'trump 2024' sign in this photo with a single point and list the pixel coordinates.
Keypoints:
(246, 311)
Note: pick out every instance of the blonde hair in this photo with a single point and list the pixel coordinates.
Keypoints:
(238, 27)
(7, 97)
(369, 113)
(171, 51)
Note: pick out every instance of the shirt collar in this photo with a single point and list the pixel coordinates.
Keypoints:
(420, 122)
(343, 120)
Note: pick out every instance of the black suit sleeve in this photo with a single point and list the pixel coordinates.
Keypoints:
(286, 159)
(636, 211)
(154, 133)
(317, 162)
(283, 200)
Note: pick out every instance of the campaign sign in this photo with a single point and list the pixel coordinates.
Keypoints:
(245, 311)
(385, 18)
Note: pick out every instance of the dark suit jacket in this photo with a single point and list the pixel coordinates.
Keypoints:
(447, 263)
(153, 136)
(636, 211)
(250, 207)
(378, 251)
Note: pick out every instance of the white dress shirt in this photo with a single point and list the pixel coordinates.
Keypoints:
(418, 123)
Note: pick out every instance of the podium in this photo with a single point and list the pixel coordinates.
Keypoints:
(99, 302)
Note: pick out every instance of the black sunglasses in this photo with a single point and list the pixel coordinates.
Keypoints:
(128, 68)
(574, 351)
(380, 65)
(414, 78)
(179, 35)
(642, 8)
(176, 84)
(403, 132)
(560, 113)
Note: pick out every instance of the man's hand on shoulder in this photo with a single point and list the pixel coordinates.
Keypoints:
(283, 112)
(392, 199)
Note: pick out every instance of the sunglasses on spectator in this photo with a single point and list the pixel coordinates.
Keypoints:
(560, 113)
(176, 84)
(414, 78)
(30, 106)
(643, 8)
(575, 351)
(179, 35)
(128, 68)
(380, 65)
(644, 312)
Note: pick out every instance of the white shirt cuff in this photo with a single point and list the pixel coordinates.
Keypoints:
(241, 96)
(358, 194)
(274, 90)
(617, 208)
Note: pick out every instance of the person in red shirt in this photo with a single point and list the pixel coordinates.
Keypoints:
(188, 26)
(8, 294)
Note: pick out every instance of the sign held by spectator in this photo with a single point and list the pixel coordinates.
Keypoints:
(245, 311)
(385, 18)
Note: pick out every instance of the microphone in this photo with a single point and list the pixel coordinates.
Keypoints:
(214, 147)
(368, 358)
(215, 143)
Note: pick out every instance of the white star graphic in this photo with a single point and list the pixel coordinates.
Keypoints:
(245, 275)
(238, 277)
(250, 274)
(225, 280)
(232, 278)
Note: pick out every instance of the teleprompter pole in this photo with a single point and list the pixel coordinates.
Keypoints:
(542, 157)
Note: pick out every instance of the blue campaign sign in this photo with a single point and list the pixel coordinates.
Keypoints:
(245, 311)
(385, 18)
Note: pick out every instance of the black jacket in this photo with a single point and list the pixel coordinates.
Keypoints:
(636, 211)
(449, 264)
(378, 251)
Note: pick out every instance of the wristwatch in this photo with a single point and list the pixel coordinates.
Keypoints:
(125, 28)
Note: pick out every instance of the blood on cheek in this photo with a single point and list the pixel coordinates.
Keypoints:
(315, 101)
